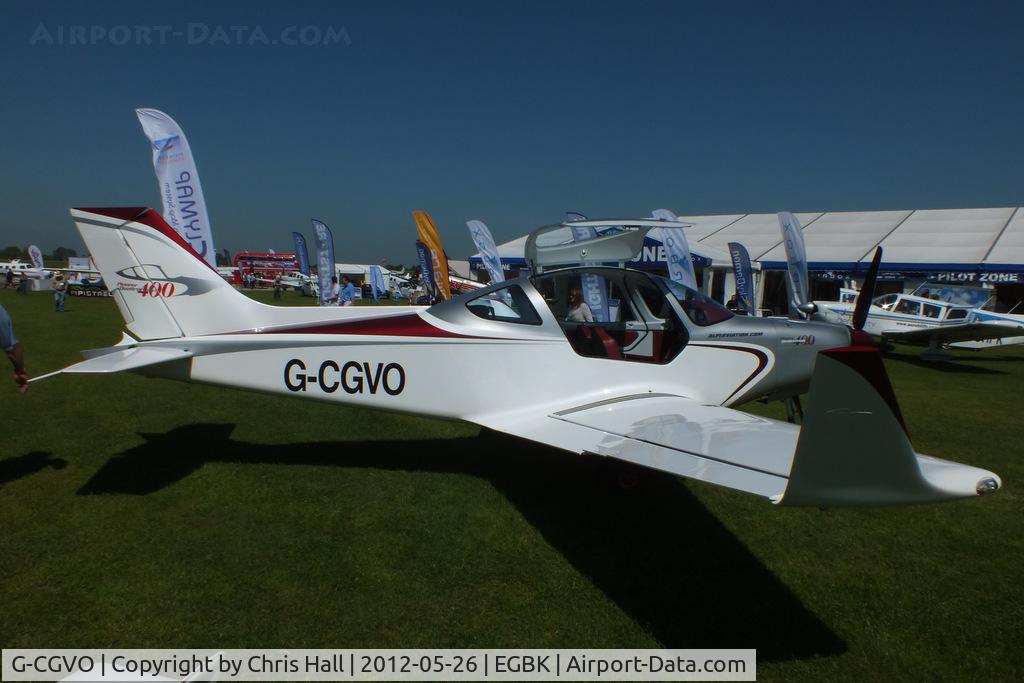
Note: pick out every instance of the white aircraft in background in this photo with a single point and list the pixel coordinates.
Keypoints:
(923, 320)
(654, 385)
(31, 271)
(227, 272)
(23, 268)
(460, 284)
(905, 318)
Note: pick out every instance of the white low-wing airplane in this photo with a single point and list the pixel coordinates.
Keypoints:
(29, 270)
(905, 318)
(651, 385)
(913, 319)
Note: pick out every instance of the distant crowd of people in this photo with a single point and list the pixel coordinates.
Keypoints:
(9, 281)
(60, 286)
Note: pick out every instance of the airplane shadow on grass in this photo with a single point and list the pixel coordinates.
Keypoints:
(657, 552)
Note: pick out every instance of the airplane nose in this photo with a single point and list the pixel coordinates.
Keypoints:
(833, 336)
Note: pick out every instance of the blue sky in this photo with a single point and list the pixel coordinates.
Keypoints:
(513, 113)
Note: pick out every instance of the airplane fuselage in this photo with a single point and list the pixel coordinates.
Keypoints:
(446, 362)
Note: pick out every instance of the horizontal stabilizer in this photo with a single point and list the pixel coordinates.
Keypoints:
(119, 360)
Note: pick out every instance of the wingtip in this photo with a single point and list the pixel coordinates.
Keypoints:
(988, 485)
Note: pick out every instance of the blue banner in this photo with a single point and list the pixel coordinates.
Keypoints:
(796, 258)
(301, 252)
(677, 251)
(595, 291)
(744, 277)
(36, 256)
(488, 251)
(324, 258)
(426, 269)
(677, 257)
(377, 282)
(182, 195)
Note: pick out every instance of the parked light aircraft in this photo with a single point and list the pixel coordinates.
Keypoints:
(297, 280)
(19, 267)
(30, 271)
(906, 318)
(656, 385)
(914, 319)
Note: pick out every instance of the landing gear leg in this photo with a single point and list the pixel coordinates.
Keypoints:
(934, 353)
(794, 410)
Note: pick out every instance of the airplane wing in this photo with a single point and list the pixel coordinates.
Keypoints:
(948, 334)
(851, 450)
(87, 271)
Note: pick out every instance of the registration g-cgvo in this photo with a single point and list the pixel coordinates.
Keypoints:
(352, 377)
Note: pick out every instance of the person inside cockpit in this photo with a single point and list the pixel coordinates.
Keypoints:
(579, 311)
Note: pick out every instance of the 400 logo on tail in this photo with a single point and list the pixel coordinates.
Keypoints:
(351, 377)
(150, 280)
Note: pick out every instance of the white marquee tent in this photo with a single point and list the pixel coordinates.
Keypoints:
(921, 240)
(981, 246)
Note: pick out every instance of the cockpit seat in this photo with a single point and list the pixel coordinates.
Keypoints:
(605, 342)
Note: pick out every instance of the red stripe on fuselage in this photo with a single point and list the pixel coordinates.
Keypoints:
(410, 325)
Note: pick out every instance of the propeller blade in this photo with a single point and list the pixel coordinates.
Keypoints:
(867, 292)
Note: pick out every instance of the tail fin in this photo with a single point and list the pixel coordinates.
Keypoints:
(163, 288)
(853, 447)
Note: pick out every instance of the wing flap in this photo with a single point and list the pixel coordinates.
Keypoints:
(709, 443)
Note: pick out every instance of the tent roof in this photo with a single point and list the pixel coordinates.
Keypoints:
(913, 239)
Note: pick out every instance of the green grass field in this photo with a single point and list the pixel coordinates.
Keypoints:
(143, 513)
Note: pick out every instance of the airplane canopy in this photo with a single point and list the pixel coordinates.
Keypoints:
(613, 241)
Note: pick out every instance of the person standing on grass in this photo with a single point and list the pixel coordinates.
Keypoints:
(12, 347)
(335, 295)
(348, 293)
(60, 290)
(8, 278)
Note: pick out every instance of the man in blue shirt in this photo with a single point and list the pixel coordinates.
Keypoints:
(348, 292)
(12, 347)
